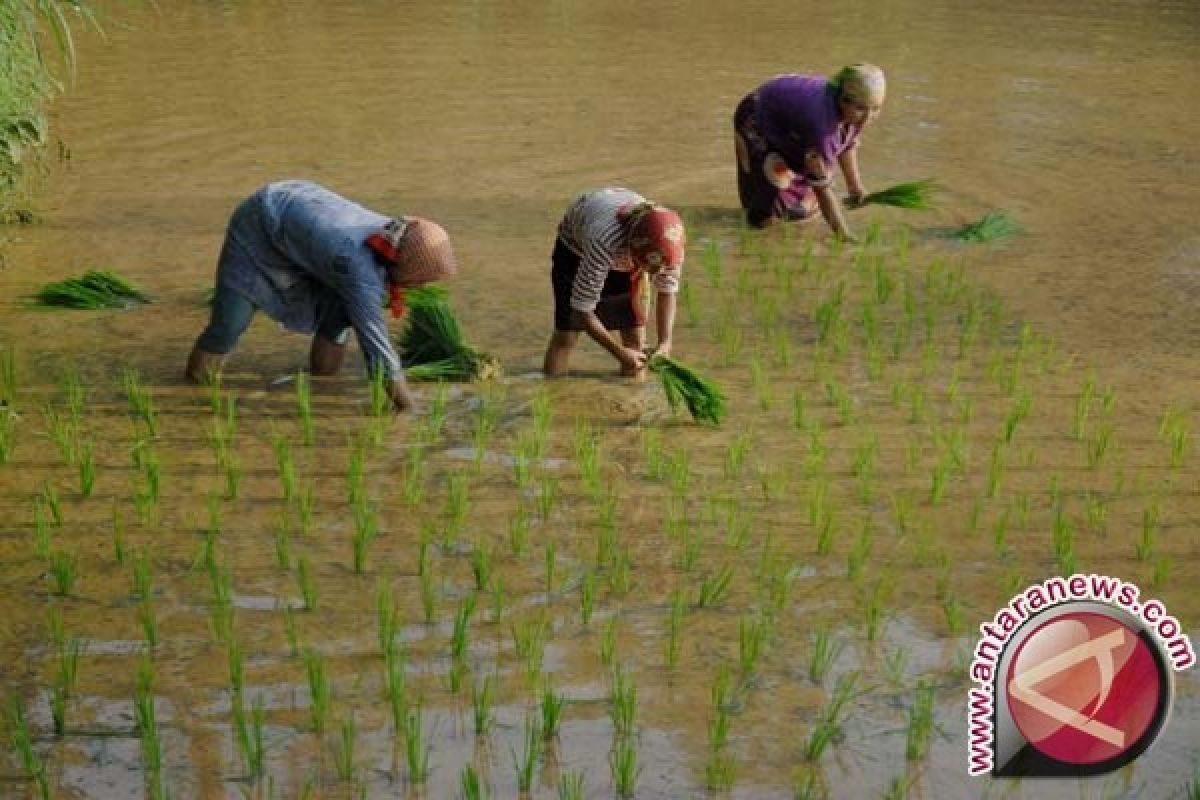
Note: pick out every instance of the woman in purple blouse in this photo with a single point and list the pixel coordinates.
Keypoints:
(790, 132)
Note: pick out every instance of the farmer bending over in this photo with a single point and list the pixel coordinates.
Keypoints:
(789, 132)
(320, 264)
(607, 242)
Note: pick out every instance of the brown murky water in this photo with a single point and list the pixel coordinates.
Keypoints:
(489, 117)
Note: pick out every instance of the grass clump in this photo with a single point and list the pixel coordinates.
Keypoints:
(432, 344)
(915, 195)
(991, 226)
(93, 290)
(682, 384)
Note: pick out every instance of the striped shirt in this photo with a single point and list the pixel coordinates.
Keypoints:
(590, 229)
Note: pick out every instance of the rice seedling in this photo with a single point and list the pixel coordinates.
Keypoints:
(527, 759)
(320, 690)
(826, 531)
(691, 543)
(396, 689)
(66, 675)
(608, 642)
(343, 751)
(1000, 532)
(147, 726)
(283, 540)
(996, 469)
(553, 705)
(547, 496)
(871, 607)
(221, 614)
(1144, 548)
(471, 786)
(714, 588)
(366, 530)
(1160, 572)
(840, 399)
(429, 596)
(824, 653)
(684, 386)
(710, 263)
(483, 702)
(41, 530)
(807, 786)
(991, 226)
(674, 629)
(141, 404)
(571, 785)
(718, 729)
(1018, 412)
(719, 771)
(290, 632)
(307, 584)
(895, 665)
(22, 740)
(529, 643)
(64, 569)
(920, 723)
(462, 624)
(549, 560)
(248, 733)
(624, 764)
(752, 640)
(955, 614)
(9, 380)
(147, 616)
(938, 477)
(620, 572)
(1099, 445)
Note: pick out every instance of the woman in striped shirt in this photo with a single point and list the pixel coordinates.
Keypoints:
(321, 264)
(607, 241)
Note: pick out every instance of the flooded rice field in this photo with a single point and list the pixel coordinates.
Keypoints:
(560, 587)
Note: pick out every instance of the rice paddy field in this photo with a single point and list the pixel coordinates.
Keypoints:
(563, 589)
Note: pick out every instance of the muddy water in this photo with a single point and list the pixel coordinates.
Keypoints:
(488, 117)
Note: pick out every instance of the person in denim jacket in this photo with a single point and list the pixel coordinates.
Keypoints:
(321, 264)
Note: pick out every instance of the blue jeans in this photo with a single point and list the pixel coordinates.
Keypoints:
(232, 312)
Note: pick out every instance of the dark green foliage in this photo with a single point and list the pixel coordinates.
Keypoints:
(917, 195)
(684, 385)
(94, 289)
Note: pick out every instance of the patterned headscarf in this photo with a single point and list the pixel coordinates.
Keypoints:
(419, 249)
(862, 83)
(656, 236)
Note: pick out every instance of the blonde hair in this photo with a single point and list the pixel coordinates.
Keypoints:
(864, 82)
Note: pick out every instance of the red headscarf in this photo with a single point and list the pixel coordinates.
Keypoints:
(656, 237)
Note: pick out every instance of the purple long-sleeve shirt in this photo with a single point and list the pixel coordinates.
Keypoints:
(799, 113)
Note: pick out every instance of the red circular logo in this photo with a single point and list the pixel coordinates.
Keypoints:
(1084, 688)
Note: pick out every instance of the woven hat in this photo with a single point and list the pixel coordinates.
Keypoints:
(425, 254)
(862, 83)
(656, 237)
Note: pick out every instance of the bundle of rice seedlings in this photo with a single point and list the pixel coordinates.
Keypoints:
(94, 289)
(432, 345)
(991, 226)
(683, 385)
(917, 195)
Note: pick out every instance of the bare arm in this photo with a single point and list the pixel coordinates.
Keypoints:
(821, 181)
(664, 322)
(848, 161)
(630, 359)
